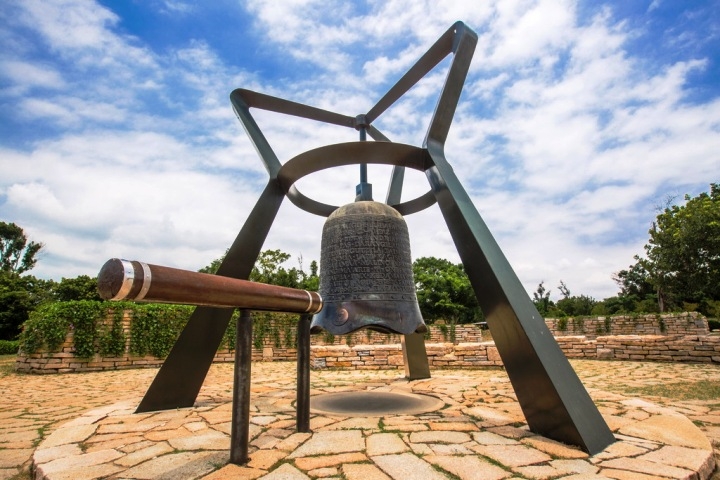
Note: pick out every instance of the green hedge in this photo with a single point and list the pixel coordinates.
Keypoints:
(49, 325)
(9, 347)
(153, 330)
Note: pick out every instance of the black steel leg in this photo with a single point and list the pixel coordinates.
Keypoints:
(553, 399)
(415, 356)
(302, 404)
(240, 426)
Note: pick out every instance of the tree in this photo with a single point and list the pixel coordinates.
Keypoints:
(573, 305)
(82, 287)
(19, 295)
(576, 306)
(214, 265)
(311, 282)
(683, 252)
(16, 254)
(268, 269)
(444, 291)
(541, 299)
(635, 281)
(564, 290)
(637, 294)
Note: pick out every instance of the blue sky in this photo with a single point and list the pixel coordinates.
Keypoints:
(578, 119)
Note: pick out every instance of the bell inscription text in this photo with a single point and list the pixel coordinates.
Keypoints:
(366, 258)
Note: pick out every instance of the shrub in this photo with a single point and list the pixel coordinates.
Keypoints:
(111, 339)
(155, 328)
(9, 347)
(97, 327)
(50, 324)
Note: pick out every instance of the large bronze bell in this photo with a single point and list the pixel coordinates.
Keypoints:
(366, 278)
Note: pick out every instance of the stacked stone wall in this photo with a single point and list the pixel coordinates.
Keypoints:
(365, 350)
(472, 333)
(669, 324)
(689, 349)
(646, 348)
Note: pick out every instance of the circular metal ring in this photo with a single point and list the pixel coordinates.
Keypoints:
(147, 280)
(354, 153)
(127, 281)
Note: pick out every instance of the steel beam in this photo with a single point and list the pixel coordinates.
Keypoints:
(551, 396)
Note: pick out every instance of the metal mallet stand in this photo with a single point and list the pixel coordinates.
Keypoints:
(137, 281)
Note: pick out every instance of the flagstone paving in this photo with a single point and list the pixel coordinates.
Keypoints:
(81, 426)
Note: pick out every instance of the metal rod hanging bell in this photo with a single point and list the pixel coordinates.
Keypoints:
(366, 278)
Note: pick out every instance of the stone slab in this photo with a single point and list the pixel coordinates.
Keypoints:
(185, 465)
(406, 466)
(468, 467)
(363, 471)
(286, 472)
(670, 430)
(331, 442)
(385, 444)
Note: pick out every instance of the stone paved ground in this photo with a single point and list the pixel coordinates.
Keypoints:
(479, 435)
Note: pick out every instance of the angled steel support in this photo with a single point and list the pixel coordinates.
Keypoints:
(553, 399)
(551, 396)
(181, 376)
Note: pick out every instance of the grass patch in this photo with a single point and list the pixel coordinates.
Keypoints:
(492, 461)
(42, 432)
(700, 390)
(24, 475)
(444, 472)
(7, 365)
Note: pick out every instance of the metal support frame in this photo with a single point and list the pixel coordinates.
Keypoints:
(240, 423)
(302, 404)
(415, 356)
(551, 396)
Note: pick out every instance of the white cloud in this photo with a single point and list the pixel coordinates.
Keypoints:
(29, 75)
(564, 140)
(68, 111)
(147, 201)
(71, 24)
(173, 7)
(528, 31)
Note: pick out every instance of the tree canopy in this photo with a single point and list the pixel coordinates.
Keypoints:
(269, 269)
(682, 262)
(82, 287)
(16, 254)
(19, 295)
(444, 291)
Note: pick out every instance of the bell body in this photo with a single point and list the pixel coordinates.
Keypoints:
(366, 278)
